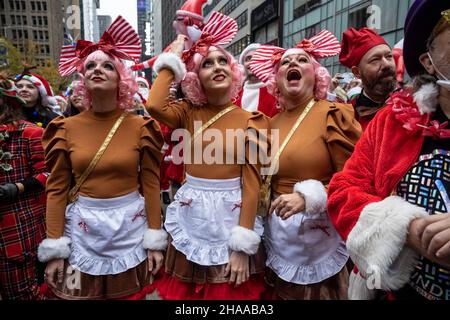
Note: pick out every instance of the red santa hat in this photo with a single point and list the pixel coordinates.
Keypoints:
(44, 88)
(356, 43)
(144, 80)
(193, 9)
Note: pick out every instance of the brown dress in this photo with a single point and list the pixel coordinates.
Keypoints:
(131, 161)
(318, 149)
(182, 114)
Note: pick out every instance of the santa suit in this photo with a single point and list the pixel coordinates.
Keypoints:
(255, 97)
(364, 207)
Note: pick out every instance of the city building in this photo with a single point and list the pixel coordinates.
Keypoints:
(144, 17)
(89, 20)
(168, 10)
(103, 23)
(72, 17)
(40, 21)
(303, 19)
(241, 11)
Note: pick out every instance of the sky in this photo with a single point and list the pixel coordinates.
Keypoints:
(126, 8)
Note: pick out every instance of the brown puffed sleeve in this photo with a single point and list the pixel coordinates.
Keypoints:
(343, 131)
(251, 170)
(58, 183)
(151, 142)
(171, 113)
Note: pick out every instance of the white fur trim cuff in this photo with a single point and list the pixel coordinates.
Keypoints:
(171, 61)
(376, 243)
(51, 249)
(243, 239)
(315, 196)
(155, 239)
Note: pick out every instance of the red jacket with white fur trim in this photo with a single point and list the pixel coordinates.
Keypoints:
(360, 197)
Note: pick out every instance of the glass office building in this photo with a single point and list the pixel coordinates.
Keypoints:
(303, 19)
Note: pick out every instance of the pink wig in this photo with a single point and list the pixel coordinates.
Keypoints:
(127, 82)
(322, 81)
(193, 89)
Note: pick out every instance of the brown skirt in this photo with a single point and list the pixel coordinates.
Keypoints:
(186, 271)
(334, 288)
(81, 286)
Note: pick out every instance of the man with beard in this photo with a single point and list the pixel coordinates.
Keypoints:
(370, 58)
(254, 95)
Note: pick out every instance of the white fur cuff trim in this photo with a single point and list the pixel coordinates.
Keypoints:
(243, 239)
(155, 239)
(315, 196)
(377, 241)
(51, 249)
(171, 61)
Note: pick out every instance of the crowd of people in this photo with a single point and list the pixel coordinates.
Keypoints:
(324, 183)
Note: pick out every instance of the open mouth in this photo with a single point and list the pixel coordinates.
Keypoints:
(219, 77)
(294, 75)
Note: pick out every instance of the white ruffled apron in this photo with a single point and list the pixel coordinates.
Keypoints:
(107, 234)
(304, 249)
(201, 217)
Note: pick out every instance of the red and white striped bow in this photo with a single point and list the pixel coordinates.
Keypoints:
(218, 31)
(264, 59)
(120, 40)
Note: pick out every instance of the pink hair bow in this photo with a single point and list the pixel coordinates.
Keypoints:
(322, 45)
(119, 40)
(218, 31)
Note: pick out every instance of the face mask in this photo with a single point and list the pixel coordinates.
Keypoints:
(443, 81)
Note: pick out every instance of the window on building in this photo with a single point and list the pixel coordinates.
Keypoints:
(358, 18)
(19, 34)
(2, 4)
(14, 34)
(24, 20)
(47, 49)
(208, 8)
(25, 34)
(237, 47)
(45, 35)
(312, 30)
(34, 18)
(39, 7)
(41, 35)
(33, 5)
(302, 7)
(44, 6)
(11, 5)
(3, 19)
(242, 19)
(45, 21)
(13, 20)
(35, 35)
(230, 6)
(40, 21)
(23, 5)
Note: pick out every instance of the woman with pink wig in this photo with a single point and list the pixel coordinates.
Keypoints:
(214, 250)
(306, 258)
(104, 240)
